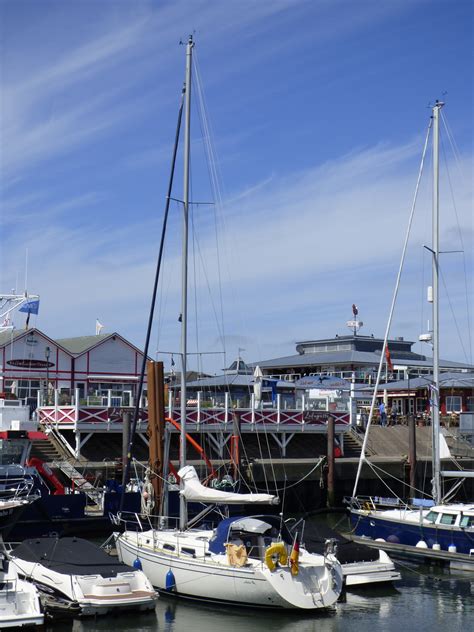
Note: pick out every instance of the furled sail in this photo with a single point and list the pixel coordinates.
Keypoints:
(195, 492)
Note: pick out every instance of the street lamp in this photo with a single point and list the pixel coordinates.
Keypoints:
(47, 353)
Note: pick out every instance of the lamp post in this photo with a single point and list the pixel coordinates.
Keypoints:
(47, 353)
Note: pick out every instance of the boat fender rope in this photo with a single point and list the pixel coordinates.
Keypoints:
(276, 554)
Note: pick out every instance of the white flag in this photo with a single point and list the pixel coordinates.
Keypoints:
(98, 327)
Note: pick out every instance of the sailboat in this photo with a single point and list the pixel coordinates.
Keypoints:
(430, 526)
(244, 561)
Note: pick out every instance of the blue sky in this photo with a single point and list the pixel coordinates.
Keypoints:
(318, 112)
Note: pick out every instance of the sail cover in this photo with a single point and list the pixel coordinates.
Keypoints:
(195, 492)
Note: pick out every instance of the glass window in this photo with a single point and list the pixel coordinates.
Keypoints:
(453, 404)
(420, 404)
(470, 404)
(432, 516)
(467, 522)
(447, 519)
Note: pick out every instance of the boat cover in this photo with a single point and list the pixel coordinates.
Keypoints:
(70, 556)
(194, 491)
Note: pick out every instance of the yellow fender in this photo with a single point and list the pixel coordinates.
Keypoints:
(277, 549)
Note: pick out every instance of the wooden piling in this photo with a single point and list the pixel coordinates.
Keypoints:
(330, 483)
(412, 452)
(126, 417)
(156, 425)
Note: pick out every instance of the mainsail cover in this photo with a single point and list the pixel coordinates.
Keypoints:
(195, 492)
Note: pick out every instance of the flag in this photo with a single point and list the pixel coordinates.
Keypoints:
(294, 556)
(355, 311)
(388, 359)
(30, 307)
(98, 327)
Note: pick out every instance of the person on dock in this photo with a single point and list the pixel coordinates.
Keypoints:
(393, 416)
(383, 415)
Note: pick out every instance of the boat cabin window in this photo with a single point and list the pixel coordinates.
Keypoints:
(448, 519)
(432, 516)
(169, 547)
(467, 522)
(188, 551)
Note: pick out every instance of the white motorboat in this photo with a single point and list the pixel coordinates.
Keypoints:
(19, 600)
(80, 574)
(364, 572)
(361, 565)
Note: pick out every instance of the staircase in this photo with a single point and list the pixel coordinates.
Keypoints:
(78, 480)
(353, 444)
(45, 450)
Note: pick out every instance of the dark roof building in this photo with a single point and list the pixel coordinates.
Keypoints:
(353, 355)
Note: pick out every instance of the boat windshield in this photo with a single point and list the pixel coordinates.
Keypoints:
(432, 516)
(467, 522)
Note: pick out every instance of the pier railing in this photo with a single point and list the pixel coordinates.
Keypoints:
(96, 418)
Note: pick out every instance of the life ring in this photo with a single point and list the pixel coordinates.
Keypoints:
(278, 550)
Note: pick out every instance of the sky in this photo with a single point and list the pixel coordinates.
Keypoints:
(315, 113)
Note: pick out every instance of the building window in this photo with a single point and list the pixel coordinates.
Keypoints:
(470, 404)
(453, 404)
(420, 405)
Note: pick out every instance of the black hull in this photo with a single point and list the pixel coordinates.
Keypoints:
(9, 518)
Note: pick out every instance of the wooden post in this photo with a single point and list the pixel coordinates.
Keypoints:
(234, 444)
(156, 425)
(331, 490)
(125, 441)
(412, 451)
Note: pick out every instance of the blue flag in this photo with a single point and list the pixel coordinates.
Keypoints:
(31, 307)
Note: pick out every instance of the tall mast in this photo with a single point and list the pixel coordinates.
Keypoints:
(435, 395)
(184, 296)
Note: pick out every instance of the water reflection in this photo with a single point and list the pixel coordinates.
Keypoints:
(418, 602)
(425, 599)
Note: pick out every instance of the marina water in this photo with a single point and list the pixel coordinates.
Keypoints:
(425, 599)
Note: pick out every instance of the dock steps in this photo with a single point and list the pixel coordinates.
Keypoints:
(78, 480)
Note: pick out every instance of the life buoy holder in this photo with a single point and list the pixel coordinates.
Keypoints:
(278, 551)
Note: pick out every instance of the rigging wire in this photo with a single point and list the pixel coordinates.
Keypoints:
(392, 308)
(214, 179)
(461, 240)
(153, 300)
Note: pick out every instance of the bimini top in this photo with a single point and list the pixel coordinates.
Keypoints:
(239, 526)
(70, 556)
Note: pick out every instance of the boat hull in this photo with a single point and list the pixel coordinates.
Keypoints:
(206, 580)
(375, 525)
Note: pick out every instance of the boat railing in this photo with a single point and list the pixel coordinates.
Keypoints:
(134, 521)
(18, 485)
(372, 503)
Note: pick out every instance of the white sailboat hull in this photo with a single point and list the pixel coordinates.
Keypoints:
(211, 578)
